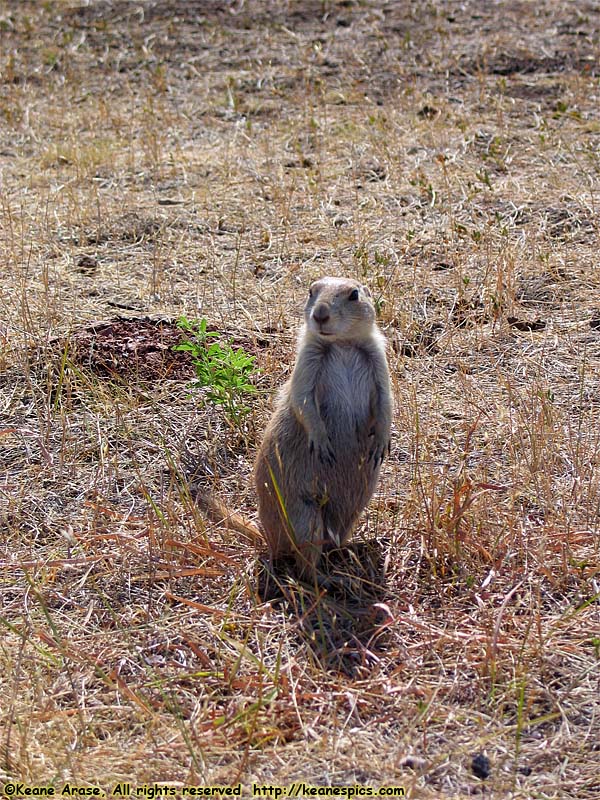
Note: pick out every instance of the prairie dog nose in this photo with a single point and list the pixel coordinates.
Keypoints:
(321, 313)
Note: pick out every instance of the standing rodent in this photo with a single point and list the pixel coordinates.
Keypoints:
(319, 460)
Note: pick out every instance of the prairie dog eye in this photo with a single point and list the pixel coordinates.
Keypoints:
(353, 295)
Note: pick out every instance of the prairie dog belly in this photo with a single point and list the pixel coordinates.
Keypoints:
(344, 391)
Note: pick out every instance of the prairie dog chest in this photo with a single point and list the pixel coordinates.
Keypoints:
(345, 382)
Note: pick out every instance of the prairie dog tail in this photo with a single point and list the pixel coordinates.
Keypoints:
(218, 512)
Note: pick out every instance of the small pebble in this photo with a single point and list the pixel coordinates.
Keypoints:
(481, 766)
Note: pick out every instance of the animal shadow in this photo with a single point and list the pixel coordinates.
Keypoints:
(336, 613)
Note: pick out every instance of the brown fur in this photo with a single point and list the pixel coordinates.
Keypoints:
(321, 453)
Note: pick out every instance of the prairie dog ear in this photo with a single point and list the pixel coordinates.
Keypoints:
(366, 290)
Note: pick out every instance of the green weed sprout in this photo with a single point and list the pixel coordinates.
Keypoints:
(225, 373)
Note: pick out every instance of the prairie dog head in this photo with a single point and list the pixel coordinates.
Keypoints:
(339, 309)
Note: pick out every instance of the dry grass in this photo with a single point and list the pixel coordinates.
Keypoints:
(213, 158)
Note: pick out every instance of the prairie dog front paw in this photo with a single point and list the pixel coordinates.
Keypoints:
(321, 448)
(380, 445)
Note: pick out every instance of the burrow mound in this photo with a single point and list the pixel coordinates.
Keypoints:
(138, 349)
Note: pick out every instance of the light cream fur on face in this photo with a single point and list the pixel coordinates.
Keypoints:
(321, 453)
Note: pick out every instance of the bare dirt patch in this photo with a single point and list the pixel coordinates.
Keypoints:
(131, 350)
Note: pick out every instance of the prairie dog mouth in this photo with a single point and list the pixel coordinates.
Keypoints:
(320, 331)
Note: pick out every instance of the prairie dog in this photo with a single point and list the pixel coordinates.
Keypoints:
(321, 453)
